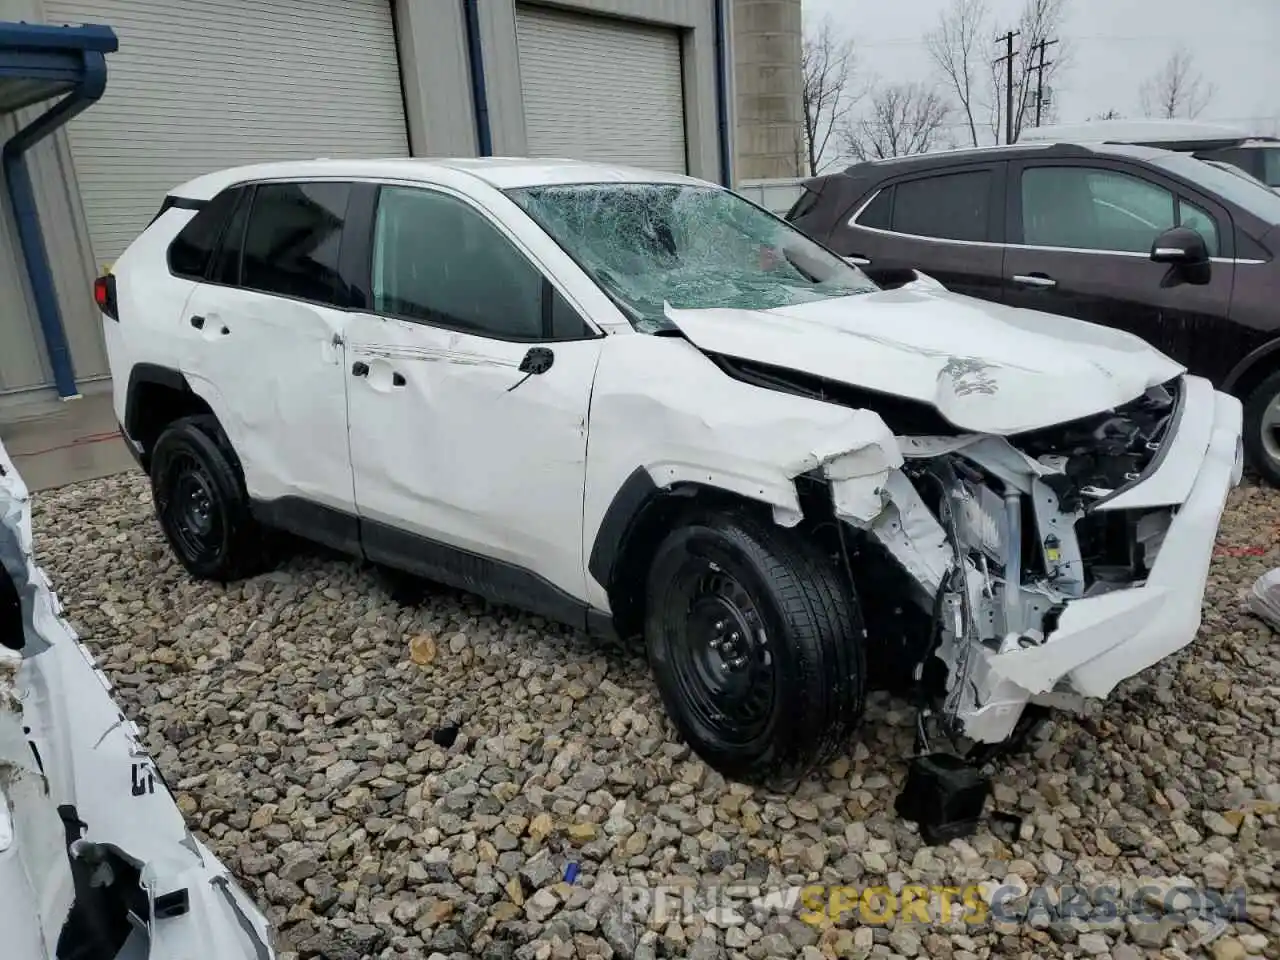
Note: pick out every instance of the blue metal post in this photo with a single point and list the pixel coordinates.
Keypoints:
(26, 215)
(479, 94)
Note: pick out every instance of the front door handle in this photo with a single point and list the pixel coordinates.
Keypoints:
(359, 369)
(198, 322)
(1035, 280)
(397, 379)
(858, 260)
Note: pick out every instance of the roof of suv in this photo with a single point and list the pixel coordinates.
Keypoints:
(500, 172)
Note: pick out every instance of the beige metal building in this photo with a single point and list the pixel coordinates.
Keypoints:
(197, 85)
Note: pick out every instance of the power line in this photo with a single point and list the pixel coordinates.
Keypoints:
(1007, 59)
(1039, 69)
(1089, 38)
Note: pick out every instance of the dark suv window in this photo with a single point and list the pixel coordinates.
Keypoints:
(292, 240)
(954, 206)
(878, 213)
(437, 260)
(191, 249)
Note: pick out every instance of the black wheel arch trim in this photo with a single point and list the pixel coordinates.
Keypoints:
(1268, 350)
(153, 373)
(636, 492)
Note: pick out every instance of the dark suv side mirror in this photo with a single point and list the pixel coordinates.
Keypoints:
(1185, 251)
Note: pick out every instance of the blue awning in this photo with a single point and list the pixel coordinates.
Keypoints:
(38, 63)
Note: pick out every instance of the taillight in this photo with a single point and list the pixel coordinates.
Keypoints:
(104, 295)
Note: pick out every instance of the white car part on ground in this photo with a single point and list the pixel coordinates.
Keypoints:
(1264, 598)
(75, 778)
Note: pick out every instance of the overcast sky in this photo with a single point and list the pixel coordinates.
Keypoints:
(1113, 44)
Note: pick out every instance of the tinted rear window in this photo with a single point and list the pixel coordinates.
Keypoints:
(878, 213)
(292, 242)
(191, 249)
(954, 206)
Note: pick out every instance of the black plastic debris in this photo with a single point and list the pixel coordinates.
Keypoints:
(945, 795)
(445, 736)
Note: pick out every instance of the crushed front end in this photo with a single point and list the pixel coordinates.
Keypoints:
(1049, 566)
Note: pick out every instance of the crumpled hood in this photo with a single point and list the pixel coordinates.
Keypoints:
(985, 367)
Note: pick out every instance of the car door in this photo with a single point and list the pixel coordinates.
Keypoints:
(1080, 239)
(264, 348)
(469, 387)
(948, 224)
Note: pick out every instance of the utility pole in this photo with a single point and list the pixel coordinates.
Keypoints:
(1039, 69)
(1007, 59)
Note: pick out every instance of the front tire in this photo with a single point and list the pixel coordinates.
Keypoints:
(757, 646)
(201, 502)
(1262, 429)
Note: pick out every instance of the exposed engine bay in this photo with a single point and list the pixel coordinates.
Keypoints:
(978, 545)
(1015, 532)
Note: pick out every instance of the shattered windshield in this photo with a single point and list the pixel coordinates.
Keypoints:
(693, 247)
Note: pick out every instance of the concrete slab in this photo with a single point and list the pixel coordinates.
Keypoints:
(72, 441)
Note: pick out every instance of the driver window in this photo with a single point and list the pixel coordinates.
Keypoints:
(1086, 208)
(438, 260)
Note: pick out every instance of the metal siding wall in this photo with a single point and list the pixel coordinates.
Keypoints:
(598, 88)
(199, 87)
(435, 72)
(23, 363)
(502, 64)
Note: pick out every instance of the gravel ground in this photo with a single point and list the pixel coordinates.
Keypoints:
(303, 719)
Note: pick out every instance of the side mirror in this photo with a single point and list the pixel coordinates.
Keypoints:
(1183, 249)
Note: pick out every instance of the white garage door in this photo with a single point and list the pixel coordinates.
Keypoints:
(601, 89)
(196, 87)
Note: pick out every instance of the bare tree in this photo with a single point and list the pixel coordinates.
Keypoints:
(829, 65)
(904, 119)
(1177, 89)
(959, 47)
(962, 46)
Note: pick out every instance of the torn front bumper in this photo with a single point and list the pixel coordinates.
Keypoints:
(83, 806)
(1100, 641)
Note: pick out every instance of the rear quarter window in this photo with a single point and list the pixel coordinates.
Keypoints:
(952, 206)
(192, 248)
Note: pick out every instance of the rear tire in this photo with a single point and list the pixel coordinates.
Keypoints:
(201, 502)
(757, 646)
(1262, 429)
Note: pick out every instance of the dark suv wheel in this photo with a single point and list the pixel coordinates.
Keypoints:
(201, 502)
(757, 646)
(1262, 428)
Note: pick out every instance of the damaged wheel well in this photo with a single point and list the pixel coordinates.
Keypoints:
(157, 397)
(642, 515)
(625, 545)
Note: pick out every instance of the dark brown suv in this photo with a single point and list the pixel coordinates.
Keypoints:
(1178, 251)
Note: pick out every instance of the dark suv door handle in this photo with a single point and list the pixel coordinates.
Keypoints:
(198, 322)
(359, 369)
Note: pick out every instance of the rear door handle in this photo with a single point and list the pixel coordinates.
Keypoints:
(1035, 280)
(359, 369)
(198, 322)
(858, 260)
(397, 379)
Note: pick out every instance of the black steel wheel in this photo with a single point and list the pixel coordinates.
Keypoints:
(201, 502)
(756, 645)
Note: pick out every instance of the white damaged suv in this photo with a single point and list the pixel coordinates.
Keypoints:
(635, 402)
